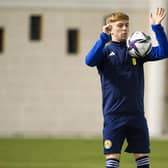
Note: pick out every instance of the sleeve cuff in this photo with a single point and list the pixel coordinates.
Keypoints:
(104, 37)
(156, 27)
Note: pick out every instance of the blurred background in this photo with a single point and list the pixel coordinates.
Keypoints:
(46, 89)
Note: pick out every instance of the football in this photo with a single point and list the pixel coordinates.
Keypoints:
(139, 44)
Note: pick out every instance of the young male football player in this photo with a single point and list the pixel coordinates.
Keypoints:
(122, 82)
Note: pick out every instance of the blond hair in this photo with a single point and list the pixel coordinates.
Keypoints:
(116, 16)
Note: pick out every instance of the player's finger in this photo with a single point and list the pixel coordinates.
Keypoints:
(109, 27)
(163, 12)
(157, 11)
(151, 15)
(160, 11)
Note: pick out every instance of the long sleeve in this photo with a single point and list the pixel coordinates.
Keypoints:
(161, 51)
(96, 54)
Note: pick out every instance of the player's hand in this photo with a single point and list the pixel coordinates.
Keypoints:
(107, 29)
(158, 16)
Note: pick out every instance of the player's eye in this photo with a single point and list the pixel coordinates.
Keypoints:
(120, 25)
(123, 25)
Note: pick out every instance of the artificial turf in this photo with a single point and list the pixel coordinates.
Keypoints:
(68, 153)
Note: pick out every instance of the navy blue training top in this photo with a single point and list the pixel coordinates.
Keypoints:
(122, 76)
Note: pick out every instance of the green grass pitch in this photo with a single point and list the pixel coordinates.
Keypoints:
(68, 153)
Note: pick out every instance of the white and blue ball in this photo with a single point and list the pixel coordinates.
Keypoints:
(139, 44)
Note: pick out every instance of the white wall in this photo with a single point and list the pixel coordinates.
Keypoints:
(44, 91)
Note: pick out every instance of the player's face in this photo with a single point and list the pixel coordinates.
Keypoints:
(120, 30)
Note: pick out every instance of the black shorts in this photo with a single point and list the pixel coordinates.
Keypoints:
(133, 129)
